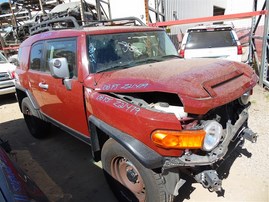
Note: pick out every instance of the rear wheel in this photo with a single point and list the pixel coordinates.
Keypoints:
(129, 179)
(37, 127)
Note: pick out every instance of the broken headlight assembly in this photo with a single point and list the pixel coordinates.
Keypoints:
(206, 138)
(213, 135)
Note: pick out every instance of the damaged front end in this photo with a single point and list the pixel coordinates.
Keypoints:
(226, 130)
(217, 134)
(205, 141)
(192, 119)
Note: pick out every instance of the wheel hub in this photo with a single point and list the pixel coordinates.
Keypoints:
(132, 175)
(127, 174)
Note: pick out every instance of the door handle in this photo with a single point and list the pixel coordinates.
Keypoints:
(43, 85)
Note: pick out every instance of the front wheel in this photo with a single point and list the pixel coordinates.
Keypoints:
(129, 179)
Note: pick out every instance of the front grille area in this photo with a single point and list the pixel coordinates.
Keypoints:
(225, 113)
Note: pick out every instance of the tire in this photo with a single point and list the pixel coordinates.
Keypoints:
(129, 179)
(37, 127)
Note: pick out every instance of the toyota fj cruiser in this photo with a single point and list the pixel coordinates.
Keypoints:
(150, 117)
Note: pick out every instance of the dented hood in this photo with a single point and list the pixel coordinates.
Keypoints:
(201, 84)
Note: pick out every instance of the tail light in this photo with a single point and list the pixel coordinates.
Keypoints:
(239, 50)
(12, 75)
(181, 53)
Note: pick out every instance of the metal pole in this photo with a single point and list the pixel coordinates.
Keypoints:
(98, 9)
(252, 33)
(41, 7)
(147, 11)
(264, 64)
(14, 21)
(3, 44)
(109, 10)
(82, 12)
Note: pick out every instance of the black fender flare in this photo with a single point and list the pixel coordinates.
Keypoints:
(27, 94)
(145, 155)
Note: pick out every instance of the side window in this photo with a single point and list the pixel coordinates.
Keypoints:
(63, 49)
(36, 55)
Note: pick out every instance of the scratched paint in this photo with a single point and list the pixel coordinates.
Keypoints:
(124, 86)
(118, 104)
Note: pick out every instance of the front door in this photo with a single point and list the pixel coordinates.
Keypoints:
(60, 104)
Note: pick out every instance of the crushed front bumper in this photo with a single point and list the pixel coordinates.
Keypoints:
(203, 165)
(237, 132)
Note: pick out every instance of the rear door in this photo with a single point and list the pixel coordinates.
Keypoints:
(61, 105)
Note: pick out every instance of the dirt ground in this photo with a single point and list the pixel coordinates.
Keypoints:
(62, 166)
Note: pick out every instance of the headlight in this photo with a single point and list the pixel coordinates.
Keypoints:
(213, 135)
(243, 100)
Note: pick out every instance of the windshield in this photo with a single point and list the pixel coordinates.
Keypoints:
(207, 39)
(114, 51)
(2, 58)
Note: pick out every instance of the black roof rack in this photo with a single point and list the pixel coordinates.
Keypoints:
(55, 24)
(72, 23)
(134, 21)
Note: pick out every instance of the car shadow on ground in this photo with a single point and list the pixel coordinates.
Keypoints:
(66, 162)
(223, 170)
(7, 99)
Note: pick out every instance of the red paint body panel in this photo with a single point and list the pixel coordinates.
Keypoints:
(133, 120)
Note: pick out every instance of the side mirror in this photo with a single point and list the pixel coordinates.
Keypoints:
(59, 68)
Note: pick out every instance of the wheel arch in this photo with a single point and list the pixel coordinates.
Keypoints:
(101, 132)
(22, 93)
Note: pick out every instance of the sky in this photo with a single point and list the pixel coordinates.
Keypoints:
(1, 1)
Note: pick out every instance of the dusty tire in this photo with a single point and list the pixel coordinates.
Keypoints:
(37, 127)
(129, 179)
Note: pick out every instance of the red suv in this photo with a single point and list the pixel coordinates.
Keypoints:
(150, 117)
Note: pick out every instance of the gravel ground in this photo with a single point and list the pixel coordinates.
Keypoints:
(62, 166)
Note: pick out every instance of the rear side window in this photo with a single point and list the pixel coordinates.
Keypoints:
(36, 55)
(212, 39)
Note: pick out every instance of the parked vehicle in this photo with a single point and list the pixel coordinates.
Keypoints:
(15, 185)
(7, 76)
(148, 115)
(214, 41)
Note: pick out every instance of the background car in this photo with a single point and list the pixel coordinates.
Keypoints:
(214, 41)
(7, 76)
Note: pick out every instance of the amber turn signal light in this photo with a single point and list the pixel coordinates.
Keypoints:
(185, 139)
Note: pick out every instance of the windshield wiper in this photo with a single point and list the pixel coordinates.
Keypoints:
(148, 60)
(115, 67)
(170, 56)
